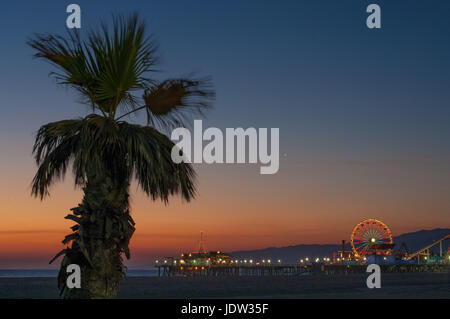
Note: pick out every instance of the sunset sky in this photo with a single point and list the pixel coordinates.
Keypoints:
(363, 117)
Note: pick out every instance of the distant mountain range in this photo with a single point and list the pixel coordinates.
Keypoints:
(291, 254)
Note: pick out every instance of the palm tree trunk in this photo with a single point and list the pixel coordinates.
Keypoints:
(103, 231)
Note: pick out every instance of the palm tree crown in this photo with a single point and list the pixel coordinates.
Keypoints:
(109, 69)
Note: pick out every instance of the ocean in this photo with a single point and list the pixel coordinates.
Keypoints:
(52, 273)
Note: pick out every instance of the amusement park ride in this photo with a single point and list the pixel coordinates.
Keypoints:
(425, 252)
(371, 236)
(372, 242)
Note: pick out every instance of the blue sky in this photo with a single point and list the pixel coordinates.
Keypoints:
(311, 66)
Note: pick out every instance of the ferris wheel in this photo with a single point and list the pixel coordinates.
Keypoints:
(370, 235)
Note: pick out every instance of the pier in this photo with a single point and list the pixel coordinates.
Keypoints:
(291, 270)
(219, 270)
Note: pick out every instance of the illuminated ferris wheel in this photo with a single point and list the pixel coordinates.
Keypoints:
(371, 236)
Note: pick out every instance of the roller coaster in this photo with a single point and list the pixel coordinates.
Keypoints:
(425, 254)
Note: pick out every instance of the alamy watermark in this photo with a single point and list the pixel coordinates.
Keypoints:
(234, 149)
(374, 280)
(74, 279)
(73, 21)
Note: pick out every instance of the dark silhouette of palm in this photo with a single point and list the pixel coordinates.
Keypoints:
(109, 69)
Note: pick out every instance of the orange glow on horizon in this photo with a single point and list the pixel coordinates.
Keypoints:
(237, 209)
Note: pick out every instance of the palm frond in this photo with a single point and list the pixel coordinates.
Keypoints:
(54, 148)
(173, 102)
(96, 143)
(88, 143)
(106, 68)
(149, 157)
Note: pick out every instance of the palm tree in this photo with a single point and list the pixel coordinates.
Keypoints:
(109, 69)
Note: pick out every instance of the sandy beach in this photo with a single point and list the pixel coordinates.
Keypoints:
(402, 285)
